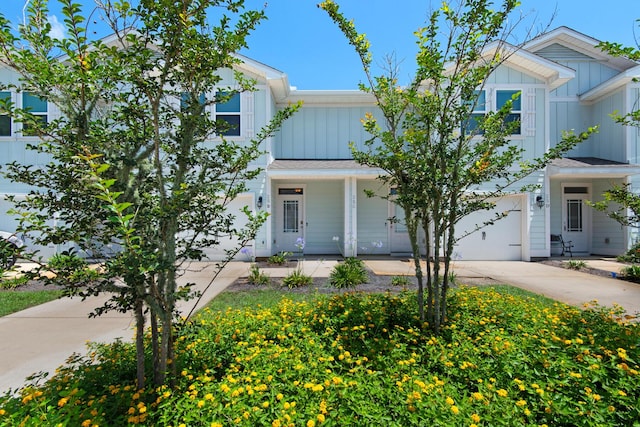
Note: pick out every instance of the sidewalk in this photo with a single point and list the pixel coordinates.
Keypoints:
(41, 338)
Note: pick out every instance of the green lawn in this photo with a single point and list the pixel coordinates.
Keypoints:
(12, 301)
(261, 358)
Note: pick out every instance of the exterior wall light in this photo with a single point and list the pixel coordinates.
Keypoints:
(259, 202)
(539, 202)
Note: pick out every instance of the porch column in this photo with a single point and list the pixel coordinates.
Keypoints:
(350, 217)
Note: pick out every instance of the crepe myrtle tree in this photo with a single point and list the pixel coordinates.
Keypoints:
(134, 161)
(434, 151)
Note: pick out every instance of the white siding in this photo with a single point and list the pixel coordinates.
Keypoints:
(373, 214)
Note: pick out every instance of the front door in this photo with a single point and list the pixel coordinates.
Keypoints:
(290, 219)
(576, 218)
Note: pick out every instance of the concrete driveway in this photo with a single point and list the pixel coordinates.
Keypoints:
(41, 338)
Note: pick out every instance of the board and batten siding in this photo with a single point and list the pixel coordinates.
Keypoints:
(589, 71)
(608, 236)
(321, 133)
(508, 75)
(373, 217)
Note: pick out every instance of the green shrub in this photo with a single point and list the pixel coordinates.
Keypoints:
(631, 273)
(280, 258)
(13, 282)
(297, 279)
(403, 281)
(632, 255)
(348, 274)
(575, 264)
(257, 277)
(71, 268)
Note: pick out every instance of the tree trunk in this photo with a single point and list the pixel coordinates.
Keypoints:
(140, 356)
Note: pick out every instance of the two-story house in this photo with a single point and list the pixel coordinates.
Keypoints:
(314, 191)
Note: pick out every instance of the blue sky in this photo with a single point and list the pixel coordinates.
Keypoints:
(300, 40)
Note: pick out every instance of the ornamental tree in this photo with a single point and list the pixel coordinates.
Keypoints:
(434, 151)
(137, 172)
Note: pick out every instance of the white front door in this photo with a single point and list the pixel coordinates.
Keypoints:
(576, 217)
(290, 219)
(398, 235)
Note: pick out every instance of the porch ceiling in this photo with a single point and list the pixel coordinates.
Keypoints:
(318, 169)
(590, 167)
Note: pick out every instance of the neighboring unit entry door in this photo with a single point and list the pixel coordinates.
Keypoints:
(290, 219)
(576, 218)
(398, 235)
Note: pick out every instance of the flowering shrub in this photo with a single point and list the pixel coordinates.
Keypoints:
(356, 359)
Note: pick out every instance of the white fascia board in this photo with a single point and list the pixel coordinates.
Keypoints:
(579, 42)
(592, 172)
(324, 173)
(610, 86)
(552, 73)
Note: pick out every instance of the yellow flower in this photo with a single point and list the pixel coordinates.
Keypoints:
(502, 392)
(320, 418)
(521, 403)
(475, 418)
(265, 404)
(449, 401)
(63, 401)
(200, 403)
(311, 423)
(455, 409)
(276, 423)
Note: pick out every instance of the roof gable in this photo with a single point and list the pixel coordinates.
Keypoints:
(575, 45)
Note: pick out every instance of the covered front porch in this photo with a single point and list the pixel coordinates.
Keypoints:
(572, 183)
(320, 207)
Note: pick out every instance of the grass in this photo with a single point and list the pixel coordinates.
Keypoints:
(14, 301)
(265, 357)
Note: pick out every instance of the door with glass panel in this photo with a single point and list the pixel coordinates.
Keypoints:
(289, 219)
(576, 217)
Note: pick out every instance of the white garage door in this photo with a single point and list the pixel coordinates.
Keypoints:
(226, 242)
(500, 241)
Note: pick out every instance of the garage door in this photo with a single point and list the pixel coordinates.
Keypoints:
(217, 253)
(500, 241)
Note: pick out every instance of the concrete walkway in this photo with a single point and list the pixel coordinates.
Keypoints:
(41, 338)
(565, 285)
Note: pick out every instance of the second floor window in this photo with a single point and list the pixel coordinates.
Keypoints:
(229, 112)
(498, 100)
(6, 124)
(37, 107)
(502, 97)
